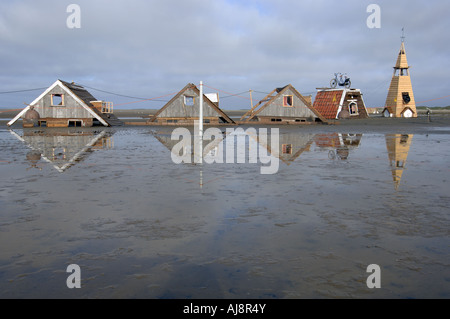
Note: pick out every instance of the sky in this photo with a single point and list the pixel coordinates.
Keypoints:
(138, 53)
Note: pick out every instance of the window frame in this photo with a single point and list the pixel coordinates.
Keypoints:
(62, 99)
(286, 99)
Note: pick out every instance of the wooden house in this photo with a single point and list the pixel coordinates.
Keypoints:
(66, 104)
(334, 104)
(184, 108)
(283, 106)
(400, 99)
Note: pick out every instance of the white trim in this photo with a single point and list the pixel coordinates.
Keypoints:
(60, 84)
(71, 161)
(82, 104)
(341, 103)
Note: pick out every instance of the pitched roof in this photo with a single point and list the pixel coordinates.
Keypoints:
(327, 103)
(402, 62)
(80, 94)
(205, 99)
(280, 91)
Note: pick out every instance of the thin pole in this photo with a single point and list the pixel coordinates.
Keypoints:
(200, 127)
(251, 100)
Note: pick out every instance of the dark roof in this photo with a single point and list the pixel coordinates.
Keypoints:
(81, 92)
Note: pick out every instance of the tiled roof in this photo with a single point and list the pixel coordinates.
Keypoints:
(327, 103)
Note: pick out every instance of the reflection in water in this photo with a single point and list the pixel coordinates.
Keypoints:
(339, 144)
(62, 147)
(398, 147)
(140, 227)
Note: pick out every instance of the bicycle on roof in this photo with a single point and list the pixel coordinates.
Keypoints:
(343, 80)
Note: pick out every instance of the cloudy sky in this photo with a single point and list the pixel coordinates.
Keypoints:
(141, 50)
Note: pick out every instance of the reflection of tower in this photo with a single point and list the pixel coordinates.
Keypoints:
(398, 147)
(400, 99)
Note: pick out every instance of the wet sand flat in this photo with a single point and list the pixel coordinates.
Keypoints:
(112, 201)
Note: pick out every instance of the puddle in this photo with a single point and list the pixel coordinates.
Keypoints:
(141, 226)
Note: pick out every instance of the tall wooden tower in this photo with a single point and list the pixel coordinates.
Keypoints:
(400, 99)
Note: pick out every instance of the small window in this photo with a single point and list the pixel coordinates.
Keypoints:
(406, 97)
(287, 100)
(287, 148)
(43, 123)
(57, 100)
(189, 100)
(207, 121)
(75, 123)
(353, 108)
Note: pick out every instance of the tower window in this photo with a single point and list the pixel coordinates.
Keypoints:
(406, 97)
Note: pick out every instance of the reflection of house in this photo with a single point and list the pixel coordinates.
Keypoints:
(66, 104)
(211, 148)
(62, 147)
(291, 145)
(340, 104)
(339, 145)
(184, 108)
(398, 147)
(283, 106)
(400, 99)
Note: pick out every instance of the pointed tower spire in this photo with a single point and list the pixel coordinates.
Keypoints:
(400, 99)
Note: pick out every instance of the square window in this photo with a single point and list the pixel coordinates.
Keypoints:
(57, 100)
(189, 100)
(288, 100)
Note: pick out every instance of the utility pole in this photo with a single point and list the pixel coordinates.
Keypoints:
(200, 127)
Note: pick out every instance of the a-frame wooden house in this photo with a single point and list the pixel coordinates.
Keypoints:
(66, 104)
(184, 108)
(283, 106)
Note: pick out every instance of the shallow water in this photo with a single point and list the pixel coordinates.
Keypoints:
(140, 226)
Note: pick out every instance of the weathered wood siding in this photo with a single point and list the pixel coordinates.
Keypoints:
(71, 108)
(178, 108)
(299, 108)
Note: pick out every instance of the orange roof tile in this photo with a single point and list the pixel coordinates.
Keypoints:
(327, 103)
